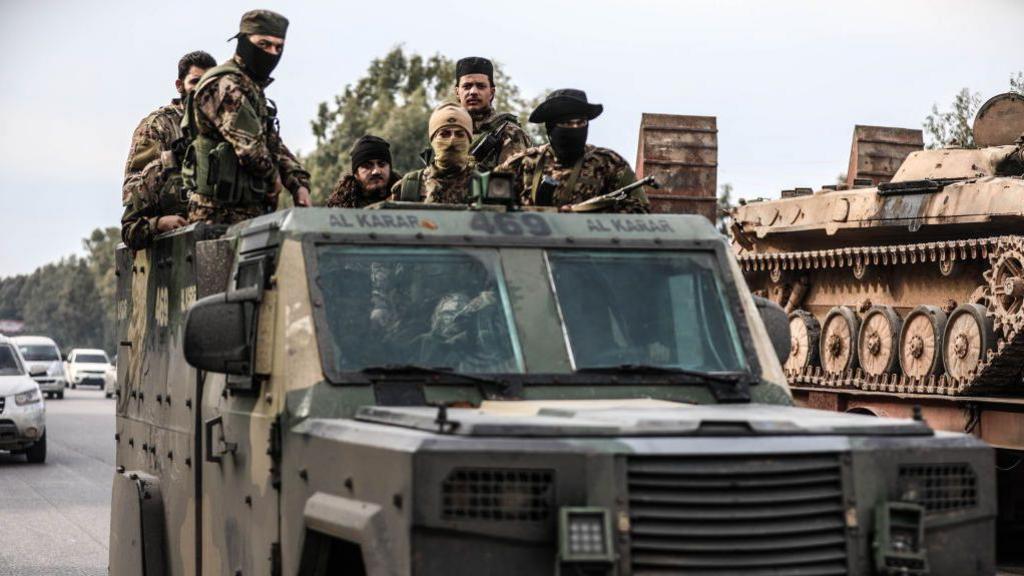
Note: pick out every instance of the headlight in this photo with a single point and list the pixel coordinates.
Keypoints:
(29, 397)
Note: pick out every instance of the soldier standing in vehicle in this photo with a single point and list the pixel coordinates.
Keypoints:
(567, 170)
(449, 178)
(371, 178)
(238, 161)
(152, 194)
(496, 136)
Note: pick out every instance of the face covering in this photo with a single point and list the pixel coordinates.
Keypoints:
(450, 154)
(258, 63)
(568, 143)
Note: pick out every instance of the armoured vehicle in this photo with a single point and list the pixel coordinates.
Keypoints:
(490, 391)
(908, 291)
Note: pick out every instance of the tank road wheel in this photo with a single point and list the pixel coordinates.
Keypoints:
(920, 350)
(1007, 286)
(839, 340)
(969, 336)
(878, 340)
(804, 333)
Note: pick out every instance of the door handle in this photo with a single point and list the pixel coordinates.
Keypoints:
(222, 446)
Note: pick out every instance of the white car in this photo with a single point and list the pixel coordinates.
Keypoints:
(42, 352)
(22, 411)
(88, 366)
(110, 380)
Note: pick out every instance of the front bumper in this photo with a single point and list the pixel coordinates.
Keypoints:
(50, 385)
(89, 379)
(21, 426)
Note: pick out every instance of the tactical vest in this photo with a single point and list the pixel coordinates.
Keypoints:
(410, 189)
(210, 167)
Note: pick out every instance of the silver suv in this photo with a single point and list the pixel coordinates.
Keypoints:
(22, 411)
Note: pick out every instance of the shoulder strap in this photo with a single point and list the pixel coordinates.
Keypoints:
(188, 121)
(410, 191)
(538, 173)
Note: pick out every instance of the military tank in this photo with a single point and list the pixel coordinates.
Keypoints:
(910, 286)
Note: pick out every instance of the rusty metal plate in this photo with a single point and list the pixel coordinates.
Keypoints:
(877, 152)
(681, 152)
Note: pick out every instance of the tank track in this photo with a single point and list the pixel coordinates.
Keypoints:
(1003, 366)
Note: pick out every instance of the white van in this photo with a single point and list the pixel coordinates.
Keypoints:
(40, 352)
(87, 366)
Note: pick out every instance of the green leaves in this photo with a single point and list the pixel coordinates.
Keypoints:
(72, 300)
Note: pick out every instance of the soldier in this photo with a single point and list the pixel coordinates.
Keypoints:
(239, 162)
(568, 170)
(449, 178)
(496, 136)
(152, 193)
(371, 179)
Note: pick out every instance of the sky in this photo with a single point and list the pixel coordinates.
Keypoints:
(787, 79)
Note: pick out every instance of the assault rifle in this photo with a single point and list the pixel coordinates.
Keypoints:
(488, 144)
(615, 198)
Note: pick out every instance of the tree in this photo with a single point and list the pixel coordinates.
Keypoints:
(101, 246)
(71, 300)
(392, 100)
(953, 128)
(724, 208)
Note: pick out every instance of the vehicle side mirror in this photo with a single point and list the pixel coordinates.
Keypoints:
(220, 332)
(776, 321)
(37, 371)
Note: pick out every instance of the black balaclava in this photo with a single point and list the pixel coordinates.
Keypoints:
(257, 62)
(568, 143)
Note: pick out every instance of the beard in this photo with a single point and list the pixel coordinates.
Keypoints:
(375, 183)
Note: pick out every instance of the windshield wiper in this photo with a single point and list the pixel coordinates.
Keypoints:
(731, 386)
(490, 388)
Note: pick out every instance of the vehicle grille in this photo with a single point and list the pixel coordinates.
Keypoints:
(3, 402)
(8, 430)
(939, 487)
(746, 515)
(498, 494)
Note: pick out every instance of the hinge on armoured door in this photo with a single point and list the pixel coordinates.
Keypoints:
(275, 559)
(274, 451)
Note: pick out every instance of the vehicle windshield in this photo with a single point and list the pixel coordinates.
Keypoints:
(427, 307)
(645, 308)
(91, 359)
(39, 352)
(9, 364)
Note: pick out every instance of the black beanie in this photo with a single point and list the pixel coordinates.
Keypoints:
(474, 65)
(370, 148)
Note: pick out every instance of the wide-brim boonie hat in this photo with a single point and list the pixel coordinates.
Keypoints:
(565, 104)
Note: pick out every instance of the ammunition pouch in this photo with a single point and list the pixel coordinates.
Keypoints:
(212, 169)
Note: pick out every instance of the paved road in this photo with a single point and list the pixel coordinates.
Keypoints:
(55, 517)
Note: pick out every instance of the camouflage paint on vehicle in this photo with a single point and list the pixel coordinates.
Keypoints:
(298, 468)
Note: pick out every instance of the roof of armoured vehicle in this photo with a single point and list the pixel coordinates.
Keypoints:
(484, 226)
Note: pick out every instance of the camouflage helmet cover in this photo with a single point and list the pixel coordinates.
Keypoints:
(263, 22)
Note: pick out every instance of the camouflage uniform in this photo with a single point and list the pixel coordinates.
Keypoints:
(513, 139)
(435, 188)
(147, 180)
(349, 193)
(258, 147)
(600, 171)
